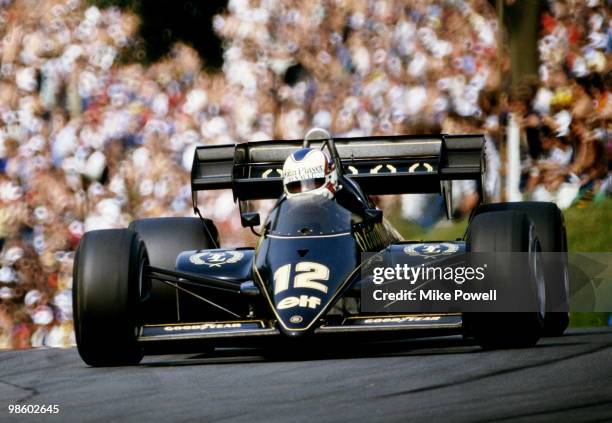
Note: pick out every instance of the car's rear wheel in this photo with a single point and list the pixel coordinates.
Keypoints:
(550, 228)
(107, 289)
(506, 232)
(165, 238)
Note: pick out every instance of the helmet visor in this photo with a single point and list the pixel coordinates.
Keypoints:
(306, 185)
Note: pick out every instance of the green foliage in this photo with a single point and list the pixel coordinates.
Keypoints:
(589, 226)
(443, 230)
(578, 320)
(589, 229)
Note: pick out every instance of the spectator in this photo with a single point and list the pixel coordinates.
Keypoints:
(567, 115)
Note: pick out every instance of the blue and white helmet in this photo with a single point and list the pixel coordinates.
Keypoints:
(311, 171)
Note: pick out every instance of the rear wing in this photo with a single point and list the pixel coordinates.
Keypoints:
(379, 165)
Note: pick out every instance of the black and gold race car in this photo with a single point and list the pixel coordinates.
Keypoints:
(166, 285)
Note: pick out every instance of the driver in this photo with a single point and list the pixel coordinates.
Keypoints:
(310, 170)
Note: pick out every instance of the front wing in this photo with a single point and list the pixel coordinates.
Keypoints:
(257, 332)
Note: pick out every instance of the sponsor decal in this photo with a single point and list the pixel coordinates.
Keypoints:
(202, 327)
(427, 250)
(296, 319)
(377, 169)
(415, 167)
(216, 258)
(301, 174)
(402, 319)
(306, 301)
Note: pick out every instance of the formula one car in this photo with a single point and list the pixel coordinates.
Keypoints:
(166, 285)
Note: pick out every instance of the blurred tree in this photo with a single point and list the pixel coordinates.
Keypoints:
(521, 19)
(124, 4)
(164, 22)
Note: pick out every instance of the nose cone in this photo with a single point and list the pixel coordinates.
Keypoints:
(302, 278)
(304, 261)
(298, 314)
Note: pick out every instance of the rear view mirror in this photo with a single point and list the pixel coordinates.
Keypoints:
(249, 219)
(374, 215)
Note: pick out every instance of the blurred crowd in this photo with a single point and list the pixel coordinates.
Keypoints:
(90, 139)
(566, 113)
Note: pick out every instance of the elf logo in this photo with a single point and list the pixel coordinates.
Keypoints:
(306, 301)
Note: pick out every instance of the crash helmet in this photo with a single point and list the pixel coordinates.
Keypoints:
(311, 171)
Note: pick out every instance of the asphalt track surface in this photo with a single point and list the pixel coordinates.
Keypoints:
(435, 380)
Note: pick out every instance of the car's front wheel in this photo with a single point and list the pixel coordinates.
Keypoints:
(107, 290)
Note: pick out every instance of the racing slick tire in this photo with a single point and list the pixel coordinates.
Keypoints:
(165, 238)
(507, 232)
(550, 228)
(108, 285)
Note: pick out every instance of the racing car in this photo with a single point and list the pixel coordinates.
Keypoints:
(166, 285)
